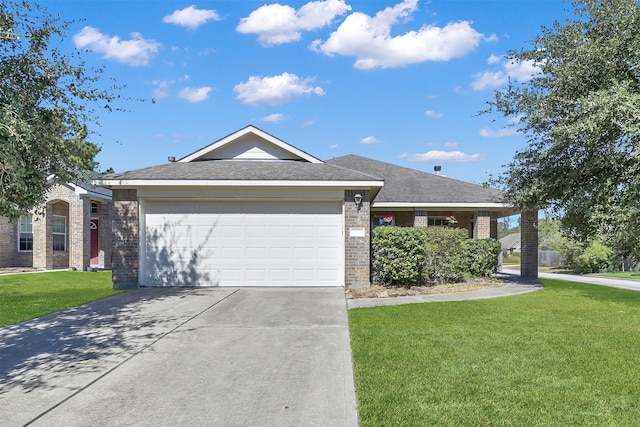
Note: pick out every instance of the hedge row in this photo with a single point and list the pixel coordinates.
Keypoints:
(404, 256)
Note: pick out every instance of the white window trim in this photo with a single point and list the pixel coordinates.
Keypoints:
(20, 232)
(63, 234)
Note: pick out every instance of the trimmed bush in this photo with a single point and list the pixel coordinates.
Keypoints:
(481, 256)
(398, 256)
(403, 256)
(445, 258)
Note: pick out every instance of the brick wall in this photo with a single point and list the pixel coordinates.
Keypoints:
(529, 244)
(8, 242)
(482, 225)
(125, 238)
(357, 240)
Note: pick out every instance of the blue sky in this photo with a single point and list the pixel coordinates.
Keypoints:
(398, 81)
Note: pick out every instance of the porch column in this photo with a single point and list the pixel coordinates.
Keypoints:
(482, 225)
(529, 244)
(125, 239)
(420, 219)
(357, 240)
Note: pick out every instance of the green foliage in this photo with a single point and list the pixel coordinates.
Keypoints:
(445, 255)
(403, 256)
(584, 258)
(398, 256)
(47, 99)
(481, 256)
(596, 257)
(581, 115)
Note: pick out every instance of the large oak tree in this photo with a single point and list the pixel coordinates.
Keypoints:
(48, 99)
(581, 115)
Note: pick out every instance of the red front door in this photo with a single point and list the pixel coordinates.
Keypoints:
(95, 244)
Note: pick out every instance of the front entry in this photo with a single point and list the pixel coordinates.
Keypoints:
(95, 244)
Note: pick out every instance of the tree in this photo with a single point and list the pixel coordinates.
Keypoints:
(47, 100)
(581, 116)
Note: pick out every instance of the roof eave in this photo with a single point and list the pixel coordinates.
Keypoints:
(136, 183)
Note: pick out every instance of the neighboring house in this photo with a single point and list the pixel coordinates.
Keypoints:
(511, 243)
(252, 210)
(73, 231)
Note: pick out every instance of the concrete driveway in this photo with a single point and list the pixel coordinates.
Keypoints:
(197, 357)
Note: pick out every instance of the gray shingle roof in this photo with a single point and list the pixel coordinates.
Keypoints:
(245, 170)
(404, 185)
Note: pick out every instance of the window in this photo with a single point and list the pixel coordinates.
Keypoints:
(59, 231)
(436, 221)
(25, 233)
(94, 208)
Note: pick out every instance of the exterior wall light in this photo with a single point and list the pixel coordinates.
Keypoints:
(358, 200)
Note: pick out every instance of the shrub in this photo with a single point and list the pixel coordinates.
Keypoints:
(403, 256)
(445, 258)
(596, 257)
(398, 256)
(481, 256)
(585, 259)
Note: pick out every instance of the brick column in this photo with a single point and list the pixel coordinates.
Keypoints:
(357, 236)
(79, 232)
(40, 241)
(125, 239)
(529, 244)
(420, 219)
(482, 225)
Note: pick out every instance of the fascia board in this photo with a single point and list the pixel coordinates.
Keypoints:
(242, 132)
(234, 183)
(439, 205)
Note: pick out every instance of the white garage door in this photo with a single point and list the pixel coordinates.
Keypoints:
(243, 244)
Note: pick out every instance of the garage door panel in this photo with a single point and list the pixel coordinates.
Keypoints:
(243, 244)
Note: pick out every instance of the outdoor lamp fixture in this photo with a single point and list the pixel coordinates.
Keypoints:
(358, 199)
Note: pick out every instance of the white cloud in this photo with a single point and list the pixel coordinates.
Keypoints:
(275, 90)
(449, 144)
(521, 71)
(370, 140)
(162, 88)
(195, 94)
(278, 24)
(491, 133)
(433, 114)
(442, 156)
(191, 17)
(369, 39)
(308, 123)
(493, 59)
(334, 146)
(274, 118)
(137, 51)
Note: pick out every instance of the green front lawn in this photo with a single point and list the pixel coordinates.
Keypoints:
(566, 355)
(26, 296)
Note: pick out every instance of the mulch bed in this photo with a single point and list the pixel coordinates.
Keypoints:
(376, 291)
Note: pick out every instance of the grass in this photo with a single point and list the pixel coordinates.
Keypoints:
(621, 274)
(566, 355)
(27, 296)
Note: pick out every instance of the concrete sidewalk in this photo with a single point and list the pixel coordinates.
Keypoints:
(166, 357)
(632, 285)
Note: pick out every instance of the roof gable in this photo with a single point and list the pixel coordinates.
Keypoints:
(250, 144)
